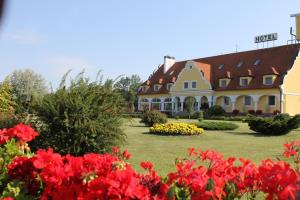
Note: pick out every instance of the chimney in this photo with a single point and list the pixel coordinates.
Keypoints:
(168, 63)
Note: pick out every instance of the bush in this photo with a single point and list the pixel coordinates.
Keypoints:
(83, 117)
(235, 112)
(251, 112)
(152, 117)
(176, 129)
(279, 125)
(215, 110)
(258, 112)
(215, 125)
(200, 116)
(276, 112)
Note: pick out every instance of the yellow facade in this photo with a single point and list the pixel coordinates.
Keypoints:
(188, 75)
(287, 97)
(262, 101)
(291, 89)
(298, 27)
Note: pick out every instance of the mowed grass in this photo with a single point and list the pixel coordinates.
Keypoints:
(163, 150)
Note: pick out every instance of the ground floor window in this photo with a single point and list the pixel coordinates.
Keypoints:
(226, 101)
(247, 101)
(271, 101)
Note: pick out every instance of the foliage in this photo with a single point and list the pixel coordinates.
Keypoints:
(27, 88)
(235, 112)
(189, 105)
(83, 117)
(204, 174)
(215, 110)
(6, 98)
(152, 117)
(199, 115)
(258, 112)
(251, 112)
(128, 87)
(176, 129)
(216, 125)
(279, 125)
(227, 118)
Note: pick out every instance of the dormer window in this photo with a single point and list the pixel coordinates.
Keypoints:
(244, 81)
(240, 64)
(268, 79)
(169, 85)
(223, 82)
(220, 66)
(156, 88)
(143, 88)
(257, 62)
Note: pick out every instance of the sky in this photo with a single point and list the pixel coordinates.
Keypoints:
(125, 37)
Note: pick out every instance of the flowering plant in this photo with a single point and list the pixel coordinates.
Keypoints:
(178, 128)
(202, 175)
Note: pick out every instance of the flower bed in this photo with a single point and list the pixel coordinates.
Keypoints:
(177, 128)
(203, 175)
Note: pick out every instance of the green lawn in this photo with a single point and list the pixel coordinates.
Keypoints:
(162, 150)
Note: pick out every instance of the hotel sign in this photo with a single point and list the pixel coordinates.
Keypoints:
(265, 38)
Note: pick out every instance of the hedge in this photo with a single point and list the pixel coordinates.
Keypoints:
(215, 125)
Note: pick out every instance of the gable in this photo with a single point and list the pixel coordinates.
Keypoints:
(191, 73)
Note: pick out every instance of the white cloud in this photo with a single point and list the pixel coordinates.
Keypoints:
(25, 37)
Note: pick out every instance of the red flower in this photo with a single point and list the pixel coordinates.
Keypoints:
(23, 132)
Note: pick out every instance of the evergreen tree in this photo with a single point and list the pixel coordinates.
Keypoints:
(82, 117)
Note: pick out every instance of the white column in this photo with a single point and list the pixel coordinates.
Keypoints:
(198, 100)
(233, 100)
(233, 105)
(181, 103)
(210, 101)
(150, 103)
(255, 99)
(162, 104)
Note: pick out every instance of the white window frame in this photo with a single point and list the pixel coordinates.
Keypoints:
(223, 81)
(188, 85)
(156, 87)
(268, 100)
(265, 80)
(245, 101)
(241, 82)
(169, 85)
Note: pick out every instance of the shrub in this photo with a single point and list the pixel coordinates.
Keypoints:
(215, 125)
(276, 112)
(235, 112)
(258, 112)
(152, 117)
(83, 117)
(176, 129)
(279, 125)
(200, 116)
(251, 112)
(215, 110)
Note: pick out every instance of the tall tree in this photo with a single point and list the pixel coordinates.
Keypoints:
(6, 101)
(27, 87)
(127, 87)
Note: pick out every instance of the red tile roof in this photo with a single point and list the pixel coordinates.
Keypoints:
(276, 60)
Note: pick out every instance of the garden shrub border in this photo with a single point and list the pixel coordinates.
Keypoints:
(217, 125)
